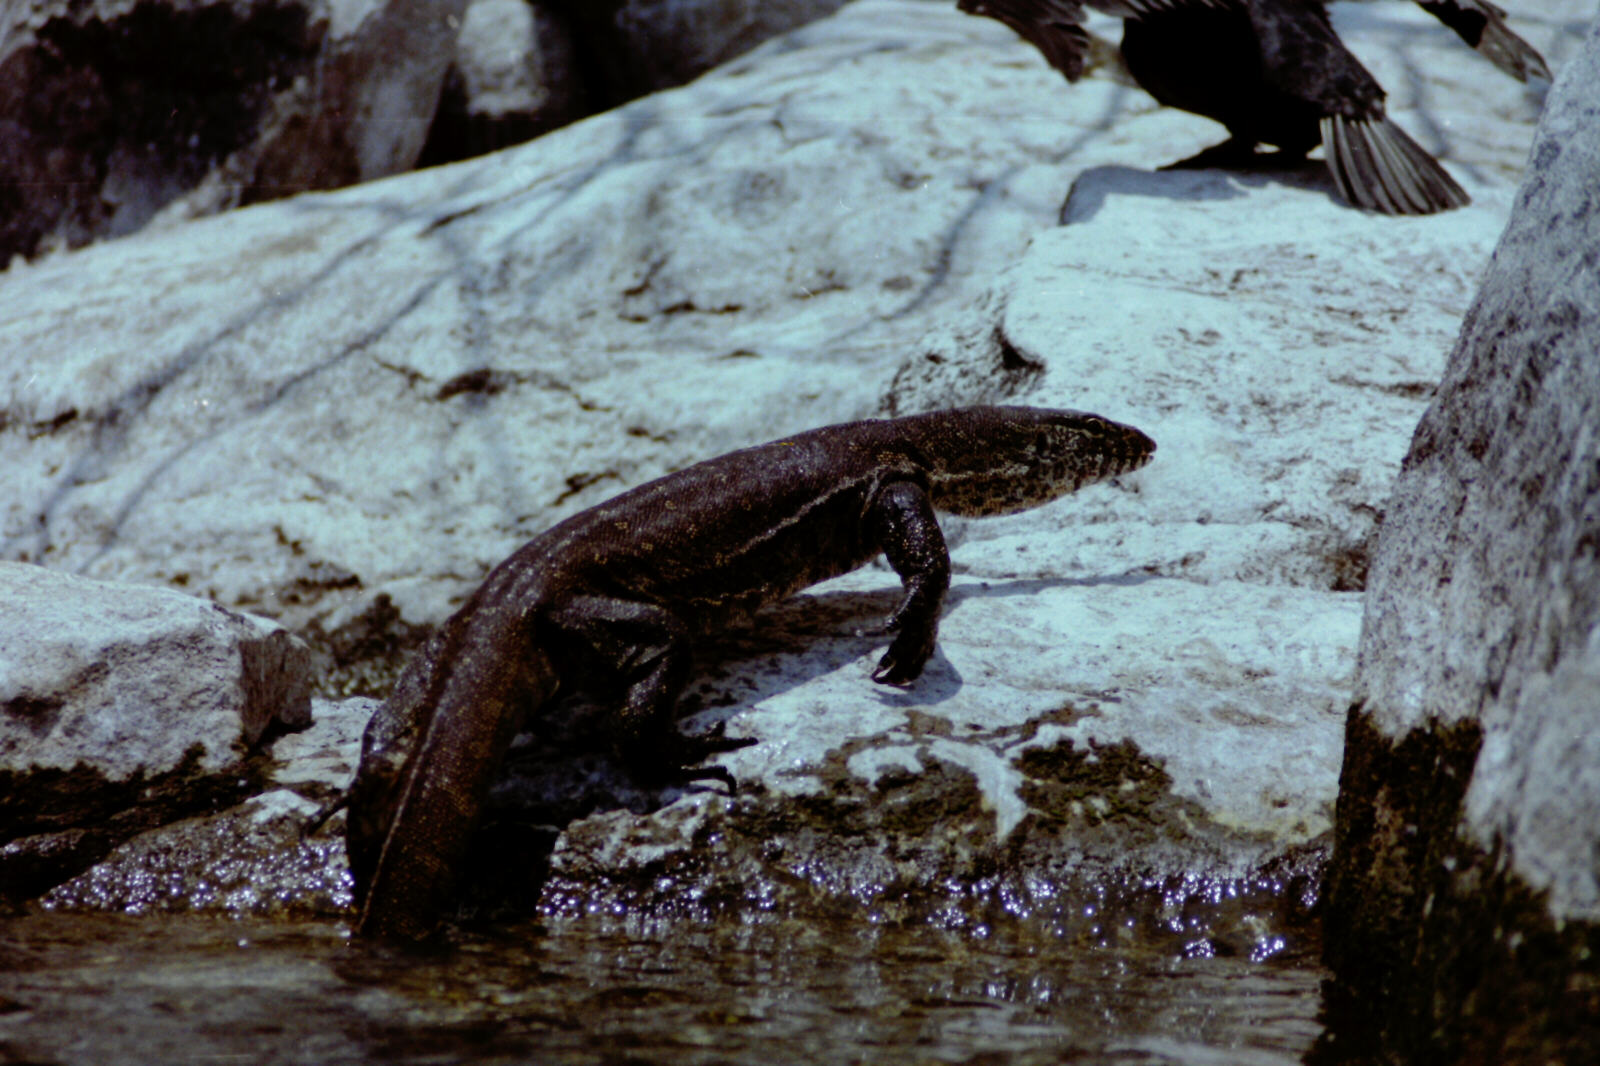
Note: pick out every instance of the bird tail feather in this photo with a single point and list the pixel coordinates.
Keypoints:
(1379, 167)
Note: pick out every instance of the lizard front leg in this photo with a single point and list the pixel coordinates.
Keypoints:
(639, 655)
(902, 521)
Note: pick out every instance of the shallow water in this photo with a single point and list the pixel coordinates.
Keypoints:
(78, 988)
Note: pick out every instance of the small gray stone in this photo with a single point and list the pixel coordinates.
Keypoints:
(128, 684)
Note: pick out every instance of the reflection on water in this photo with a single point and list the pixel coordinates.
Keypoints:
(80, 988)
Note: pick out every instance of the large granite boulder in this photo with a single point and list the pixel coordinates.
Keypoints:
(639, 46)
(517, 72)
(122, 704)
(342, 409)
(113, 112)
(117, 113)
(1463, 918)
(316, 408)
(522, 67)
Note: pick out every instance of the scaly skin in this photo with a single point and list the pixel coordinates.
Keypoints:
(609, 600)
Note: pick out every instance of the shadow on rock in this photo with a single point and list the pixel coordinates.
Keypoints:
(1096, 185)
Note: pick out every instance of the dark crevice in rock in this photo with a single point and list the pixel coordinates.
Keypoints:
(569, 80)
(484, 381)
(1012, 359)
(488, 381)
(576, 483)
(1349, 561)
(46, 427)
(457, 133)
(605, 76)
(37, 713)
(1441, 953)
(364, 656)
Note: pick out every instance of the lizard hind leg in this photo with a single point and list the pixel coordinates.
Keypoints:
(645, 652)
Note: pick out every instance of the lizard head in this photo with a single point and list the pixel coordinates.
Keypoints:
(996, 460)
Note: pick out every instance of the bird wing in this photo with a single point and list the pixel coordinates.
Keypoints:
(1054, 27)
(1303, 58)
(1483, 26)
(1132, 9)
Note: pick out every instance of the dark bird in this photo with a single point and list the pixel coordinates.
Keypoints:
(1274, 72)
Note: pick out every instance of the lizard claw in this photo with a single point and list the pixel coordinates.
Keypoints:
(712, 742)
(686, 776)
(670, 760)
(889, 671)
(908, 653)
(326, 811)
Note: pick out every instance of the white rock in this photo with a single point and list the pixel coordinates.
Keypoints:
(1238, 690)
(501, 38)
(205, 405)
(326, 753)
(301, 405)
(126, 680)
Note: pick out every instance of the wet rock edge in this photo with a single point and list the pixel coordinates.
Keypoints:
(1442, 953)
(87, 815)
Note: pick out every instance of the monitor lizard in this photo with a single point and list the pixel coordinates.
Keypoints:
(609, 601)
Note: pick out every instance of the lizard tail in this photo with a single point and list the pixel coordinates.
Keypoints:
(430, 754)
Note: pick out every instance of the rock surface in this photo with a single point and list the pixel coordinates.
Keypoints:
(253, 858)
(789, 231)
(117, 696)
(1140, 687)
(113, 112)
(1148, 679)
(523, 67)
(1464, 907)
